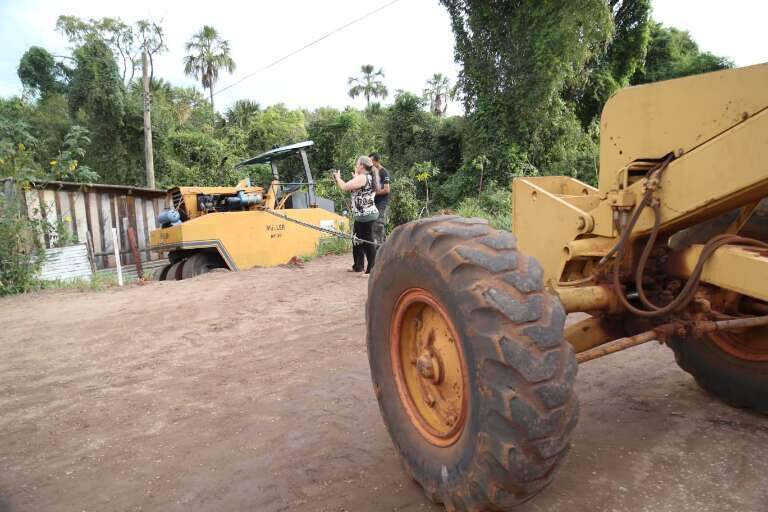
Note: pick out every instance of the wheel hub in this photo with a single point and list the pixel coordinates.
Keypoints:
(429, 367)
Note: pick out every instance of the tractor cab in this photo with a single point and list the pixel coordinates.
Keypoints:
(292, 185)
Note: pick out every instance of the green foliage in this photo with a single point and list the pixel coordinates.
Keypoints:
(334, 246)
(275, 126)
(326, 187)
(20, 259)
(98, 282)
(98, 98)
(207, 54)
(125, 41)
(341, 137)
(240, 113)
(194, 158)
(404, 206)
(60, 234)
(613, 70)
(517, 57)
(67, 166)
(672, 53)
(449, 144)
(438, 93)
(410, 132)
(495, 207)
(17, 151)
(368, 84)
(40, 74)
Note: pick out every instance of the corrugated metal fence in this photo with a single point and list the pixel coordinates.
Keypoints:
(89, 212)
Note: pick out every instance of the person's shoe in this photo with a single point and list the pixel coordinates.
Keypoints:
(355, 269)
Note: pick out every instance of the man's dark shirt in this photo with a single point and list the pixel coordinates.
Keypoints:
(382, 201)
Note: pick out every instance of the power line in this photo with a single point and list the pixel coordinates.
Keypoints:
(326, 36)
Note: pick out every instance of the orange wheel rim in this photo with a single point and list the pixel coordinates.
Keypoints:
(429, 367)
(749, 344)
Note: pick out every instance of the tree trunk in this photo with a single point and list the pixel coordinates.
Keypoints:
(213, 111)
(482, 166)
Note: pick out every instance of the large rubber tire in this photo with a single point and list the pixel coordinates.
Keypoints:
(736, 381)
(521, 407)
(161, 273)
(200, 263)
(175, 271)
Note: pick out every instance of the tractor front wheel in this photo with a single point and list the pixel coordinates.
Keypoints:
(473, 376)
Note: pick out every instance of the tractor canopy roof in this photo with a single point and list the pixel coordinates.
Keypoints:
(277, 153)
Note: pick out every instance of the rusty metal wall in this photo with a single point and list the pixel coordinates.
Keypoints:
(90, 211)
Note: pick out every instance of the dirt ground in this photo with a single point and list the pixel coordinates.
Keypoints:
(251, 391)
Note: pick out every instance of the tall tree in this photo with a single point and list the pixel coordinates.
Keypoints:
(672, 53)
(207, 54)
(97, 93)
(613, 70)
(40, 74)
(438, 93)
(240, 113)
(368, 84)
(516, 59)
(126, 41)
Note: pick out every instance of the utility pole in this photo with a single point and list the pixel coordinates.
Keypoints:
(148, 158)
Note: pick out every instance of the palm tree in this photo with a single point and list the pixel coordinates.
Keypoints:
(207, 53)
(240, 113)
(438, 92)
(368, 84)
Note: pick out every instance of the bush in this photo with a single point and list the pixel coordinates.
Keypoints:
(494, 205)
(20, 261)
(404, 206)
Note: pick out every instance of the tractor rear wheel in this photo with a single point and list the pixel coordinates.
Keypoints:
(161, 273)
(175, 271)
(473, 376)
(731, 365)
(200, 263)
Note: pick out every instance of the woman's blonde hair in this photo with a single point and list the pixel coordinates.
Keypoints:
(365, 162)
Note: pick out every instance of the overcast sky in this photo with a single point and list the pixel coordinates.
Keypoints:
(410, 40)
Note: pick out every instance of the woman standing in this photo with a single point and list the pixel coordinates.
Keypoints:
(364, 210)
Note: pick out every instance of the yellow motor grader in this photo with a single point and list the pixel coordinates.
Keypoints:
(471, 361)
(237, 228)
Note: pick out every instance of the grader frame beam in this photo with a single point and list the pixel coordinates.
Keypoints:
(735, 268)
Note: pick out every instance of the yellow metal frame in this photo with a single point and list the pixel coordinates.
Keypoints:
(250, 238)
(714, 127)
(741, 270)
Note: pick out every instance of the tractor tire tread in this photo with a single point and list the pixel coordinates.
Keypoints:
(530, 367)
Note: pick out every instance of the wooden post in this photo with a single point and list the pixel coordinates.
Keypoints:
(148, 157)
(116, 247)
(135, 251)
(89, 246)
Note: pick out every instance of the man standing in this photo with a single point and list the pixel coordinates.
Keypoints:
(381, 181)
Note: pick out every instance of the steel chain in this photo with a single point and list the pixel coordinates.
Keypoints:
(332, 232)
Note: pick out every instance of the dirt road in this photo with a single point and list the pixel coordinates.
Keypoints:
(251, 391)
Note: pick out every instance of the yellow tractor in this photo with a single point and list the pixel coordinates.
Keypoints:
(237, 228)
(471, 361)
